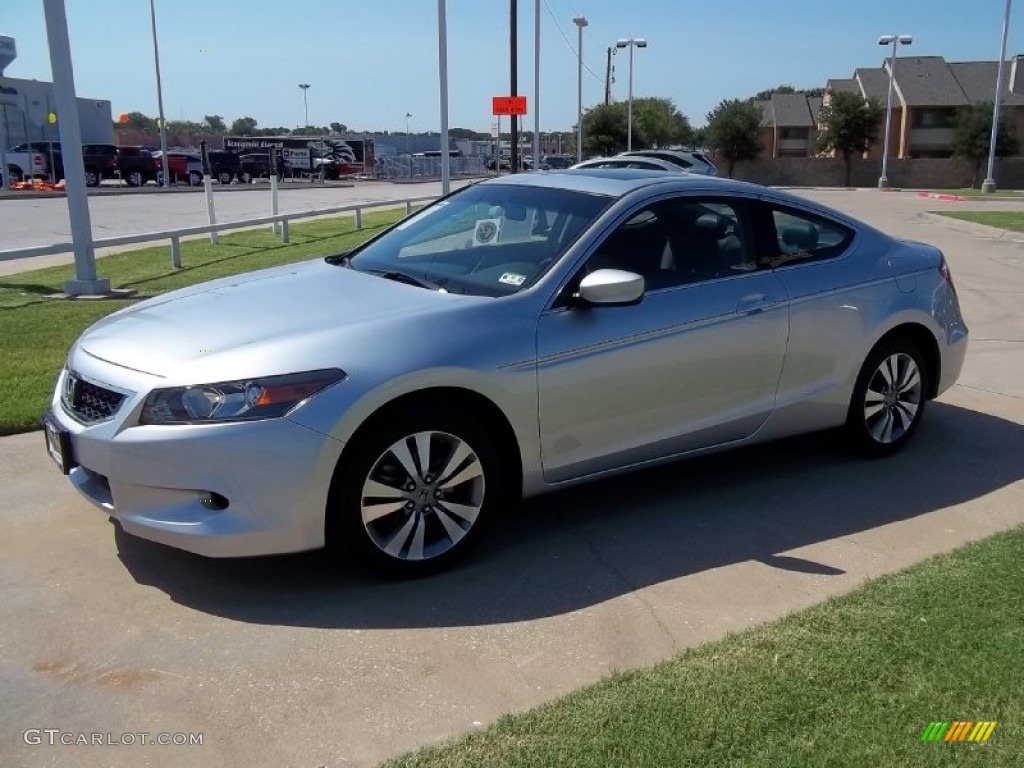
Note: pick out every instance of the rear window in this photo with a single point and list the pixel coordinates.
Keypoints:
(805, 237)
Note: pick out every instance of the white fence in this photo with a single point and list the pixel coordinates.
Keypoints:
(176, 235)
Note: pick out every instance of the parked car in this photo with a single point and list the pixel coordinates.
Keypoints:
(183, 166)
(30, 160)
(558, 162)
(521, 335)
(137, 166)
(646, 163)
(505, 163)
(694, 162)
(225, 166)
(256, 165)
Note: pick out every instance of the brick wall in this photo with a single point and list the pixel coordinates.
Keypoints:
(921, 173)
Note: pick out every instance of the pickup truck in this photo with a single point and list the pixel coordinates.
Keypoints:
(102, 161)
(30, 160)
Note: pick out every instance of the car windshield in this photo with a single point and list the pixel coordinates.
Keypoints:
(485, 240)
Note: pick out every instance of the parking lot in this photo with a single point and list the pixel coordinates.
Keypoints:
(295, 661)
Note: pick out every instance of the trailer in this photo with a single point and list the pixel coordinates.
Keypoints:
(307, 154)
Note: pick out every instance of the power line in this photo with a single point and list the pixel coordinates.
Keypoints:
(569, 43)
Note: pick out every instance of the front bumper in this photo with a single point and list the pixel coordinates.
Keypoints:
(157, 481)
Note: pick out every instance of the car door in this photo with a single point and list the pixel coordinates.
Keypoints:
(695, 363)
(830, 303)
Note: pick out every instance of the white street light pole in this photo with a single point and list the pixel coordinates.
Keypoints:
(536, 85)
(894, 41)
(160, 101)
(442, 71)
(580, 22)
(631, 43)
(989, 185)
(305, 103)
(407, 116)
(86, 281)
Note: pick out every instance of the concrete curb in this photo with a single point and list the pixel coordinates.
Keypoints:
(973, 228)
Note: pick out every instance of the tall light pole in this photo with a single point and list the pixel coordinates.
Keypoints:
(989, 184)
(160, 102)
(305, 103)
(894, 41)
(536, 85)
(442, 76)
(580, 22)
(408, 151)
(631, 43)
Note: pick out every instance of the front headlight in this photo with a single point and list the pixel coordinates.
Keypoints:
(243, 400)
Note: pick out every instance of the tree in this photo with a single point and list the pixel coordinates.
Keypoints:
(972, 133)
(699, 137)
(244, 126)
(337, 127)
(604, 129)
(138, 121)
(734, 131)
(660, 122)
(466, 133)
(214, 124)
(787, 88)
(847, 126)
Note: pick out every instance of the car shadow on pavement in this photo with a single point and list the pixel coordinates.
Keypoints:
(580, 547)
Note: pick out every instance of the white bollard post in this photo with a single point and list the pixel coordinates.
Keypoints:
(208, 190)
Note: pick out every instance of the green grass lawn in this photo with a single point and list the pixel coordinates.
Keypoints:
(37, 331)
(1012, 220)
(852, 682)
(976, 192)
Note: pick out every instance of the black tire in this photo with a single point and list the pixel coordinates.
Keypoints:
(246, 177)
(195, 178)
(135, 178)
(888, 400)
(225, 177)
(92, 177)
(424, 507)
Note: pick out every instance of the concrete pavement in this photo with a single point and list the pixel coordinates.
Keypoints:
(291, 661)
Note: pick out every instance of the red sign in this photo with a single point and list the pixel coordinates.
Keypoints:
(508, 105)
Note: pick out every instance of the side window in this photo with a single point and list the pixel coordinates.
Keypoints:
(803, 237)
(680, 241)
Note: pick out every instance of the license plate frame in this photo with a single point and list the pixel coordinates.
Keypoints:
(58, 445)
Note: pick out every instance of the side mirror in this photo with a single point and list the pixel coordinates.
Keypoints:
(611, 287)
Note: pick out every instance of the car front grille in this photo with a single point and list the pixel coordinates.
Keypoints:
(90, 402)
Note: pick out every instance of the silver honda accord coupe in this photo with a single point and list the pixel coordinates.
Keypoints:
(520, 335)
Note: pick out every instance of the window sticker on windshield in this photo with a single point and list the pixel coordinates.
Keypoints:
(512, 278)
(420, 215)
(486, 231)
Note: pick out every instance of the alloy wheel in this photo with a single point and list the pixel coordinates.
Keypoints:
(422, 496)
(893, 398)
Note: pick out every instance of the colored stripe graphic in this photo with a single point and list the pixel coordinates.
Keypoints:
(959, 730)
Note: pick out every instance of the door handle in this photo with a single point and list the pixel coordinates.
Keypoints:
(755, 302)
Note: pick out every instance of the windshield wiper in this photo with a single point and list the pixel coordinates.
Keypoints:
(402, 277)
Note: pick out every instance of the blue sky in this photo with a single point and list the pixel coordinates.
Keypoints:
(371, 61)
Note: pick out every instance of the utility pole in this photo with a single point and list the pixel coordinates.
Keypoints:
(608, 78)
(513, 43)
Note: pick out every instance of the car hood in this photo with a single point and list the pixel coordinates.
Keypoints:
(257, 321)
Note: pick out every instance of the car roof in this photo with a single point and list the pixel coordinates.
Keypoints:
(617, 182)
(663, 164)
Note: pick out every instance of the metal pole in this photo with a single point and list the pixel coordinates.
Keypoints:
(536, 85)
(513, 48)
(989, 185)
(3, 151)
(160, 102)
(883, 180)
(442, 66)
(86, 281)
(629, 118)
(580, 22)
(408, 151)
(275, 227)
(208, 189)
